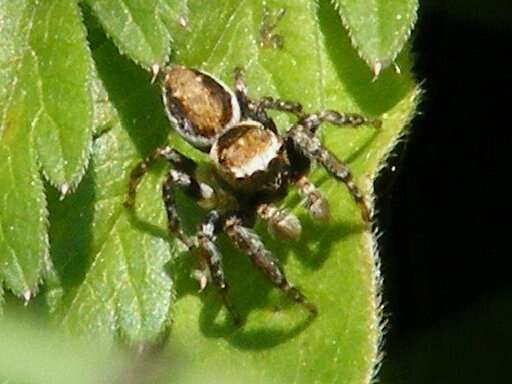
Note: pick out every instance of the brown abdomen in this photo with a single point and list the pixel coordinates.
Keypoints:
(203, 101)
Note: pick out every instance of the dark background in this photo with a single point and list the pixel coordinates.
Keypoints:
(443, 211)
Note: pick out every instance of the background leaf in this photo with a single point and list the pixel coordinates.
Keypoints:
(62, 125)
(378, 28)
(1, 298)
(112, 266)
(45, 119)
(135, 27)
(31, 353)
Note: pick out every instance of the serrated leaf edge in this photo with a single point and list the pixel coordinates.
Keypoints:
(370, 242)
(70, 186)
(36, 180)
(124, 49)
(378, 65)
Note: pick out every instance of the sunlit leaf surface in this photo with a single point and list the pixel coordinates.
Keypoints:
(378, 28)
(45, 120)
(118, 274)
(111, 264)
(135, 27)
(334, 264)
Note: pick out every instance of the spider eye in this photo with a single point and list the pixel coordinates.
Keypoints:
(200, 106)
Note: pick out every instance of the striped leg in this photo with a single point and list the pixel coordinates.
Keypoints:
(249, 242)
(312, 121)
(177, 160)
(281, 105)
(194, 189)
(311, 147)
(250, 109)
(206, 241)
(180, 175)
(264, 103)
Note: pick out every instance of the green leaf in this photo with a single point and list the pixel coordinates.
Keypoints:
(111, 266)
(23, 237)
(45, 121)
(335, 264)
(378, 28)
(112, 263)
(135, 27)
(2, 300)
(62, 124)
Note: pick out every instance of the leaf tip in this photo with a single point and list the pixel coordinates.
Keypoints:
(377, 69)
(397, 68)
(27, 295)
(155, 71)
(64, 190)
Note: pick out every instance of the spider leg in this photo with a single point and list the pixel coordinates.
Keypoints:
(314, 201)
(249, 242)
(255, 109)
(178, 160)
(241, 88)
(310, 146)
(206, 241)
(281, 105)
(281, 223)
(312, 121)
(180, 176)
(250, 109)
(192, 188)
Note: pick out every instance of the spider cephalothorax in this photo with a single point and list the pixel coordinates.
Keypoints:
(253, 164)
(248, 156)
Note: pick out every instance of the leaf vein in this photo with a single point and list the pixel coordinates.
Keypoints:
(224, 30)
(129, 271)
(93, 264)
(142, 31)
(321, 75)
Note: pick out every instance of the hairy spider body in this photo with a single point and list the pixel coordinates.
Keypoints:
(254, 165)
(200, 106)
(250, 158)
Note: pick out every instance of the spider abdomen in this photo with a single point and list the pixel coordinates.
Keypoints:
(201, 107)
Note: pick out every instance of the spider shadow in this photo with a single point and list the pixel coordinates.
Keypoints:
(249, 291)
(145, 226)
(317, 241)
(251, 339)
(252, 294)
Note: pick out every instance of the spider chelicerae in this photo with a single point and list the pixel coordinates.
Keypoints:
(254, 166)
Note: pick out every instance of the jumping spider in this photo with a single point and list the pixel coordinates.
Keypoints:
(253, 164)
